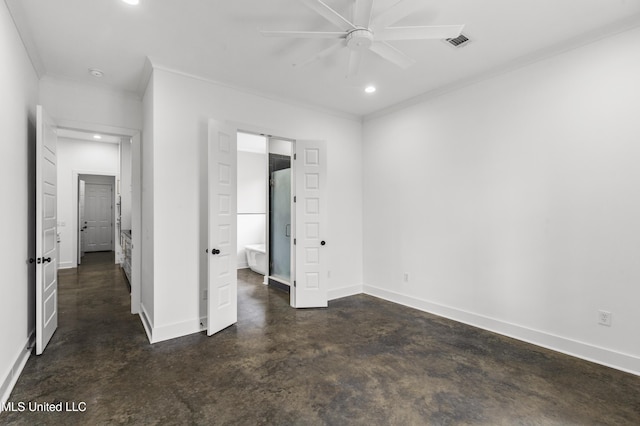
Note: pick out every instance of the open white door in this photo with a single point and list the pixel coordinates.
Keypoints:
(222, 304)
(46, 229)
(82, 225)
(310, 284)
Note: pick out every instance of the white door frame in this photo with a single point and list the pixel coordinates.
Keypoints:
(75, 196)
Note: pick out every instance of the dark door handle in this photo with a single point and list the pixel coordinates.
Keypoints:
(31, 260)
(215, 251)
(46, 260)
(322, 243)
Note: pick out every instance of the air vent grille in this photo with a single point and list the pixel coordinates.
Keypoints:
(461, 40)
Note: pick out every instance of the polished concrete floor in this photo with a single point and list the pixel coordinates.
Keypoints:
(362, 361)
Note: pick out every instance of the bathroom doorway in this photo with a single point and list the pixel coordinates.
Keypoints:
(265, 208)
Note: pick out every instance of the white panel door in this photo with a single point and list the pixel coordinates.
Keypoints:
(46, 230)
(98, 214)
(222, 305)
(81, 222)
(310, 283)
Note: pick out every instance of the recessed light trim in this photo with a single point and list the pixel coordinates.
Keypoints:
(97, 137)
(132, 2)
(95, 72)
(370, 89)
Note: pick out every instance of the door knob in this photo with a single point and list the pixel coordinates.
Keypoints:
(322, 243)
(215, 251)
(46, 260)
(31, 260)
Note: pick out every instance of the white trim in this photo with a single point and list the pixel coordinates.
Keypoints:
(173, 331)
(66, 265)
(243, 265)
(11, 377)
(338, 293)
(146, 322)
(610, 358)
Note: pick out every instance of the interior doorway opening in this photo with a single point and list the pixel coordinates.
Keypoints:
(265, 212)
(98, 220)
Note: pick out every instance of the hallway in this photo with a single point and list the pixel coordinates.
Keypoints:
(362, 361)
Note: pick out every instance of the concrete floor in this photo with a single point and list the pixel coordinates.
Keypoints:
(361, 361)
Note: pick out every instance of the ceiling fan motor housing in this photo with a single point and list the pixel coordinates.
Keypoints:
(359, 39)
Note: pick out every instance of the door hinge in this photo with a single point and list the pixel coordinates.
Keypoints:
(294, 198)
(295, 156)
(294, 241)
(294, 284)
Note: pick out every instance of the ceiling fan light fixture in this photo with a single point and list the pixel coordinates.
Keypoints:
(370, 89)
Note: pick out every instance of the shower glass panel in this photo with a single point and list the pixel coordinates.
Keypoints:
(281, 225)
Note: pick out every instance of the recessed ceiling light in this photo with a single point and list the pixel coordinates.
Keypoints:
(132, 2)
(370, 89)
(97, 137)
(96, 72)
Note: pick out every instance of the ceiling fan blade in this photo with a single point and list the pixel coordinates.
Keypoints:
(391, 54)
(396, 12)
(304, 34)
(354, 63)
(362, 13)
(329, 14)
(436, 32)
(326, 52)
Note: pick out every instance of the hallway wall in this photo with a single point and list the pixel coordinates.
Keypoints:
(513, 203)
(19, 89)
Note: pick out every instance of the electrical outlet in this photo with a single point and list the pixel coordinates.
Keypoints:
(406, 277)
(604, 318)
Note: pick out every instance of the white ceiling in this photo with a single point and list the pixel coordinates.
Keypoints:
(219, 40)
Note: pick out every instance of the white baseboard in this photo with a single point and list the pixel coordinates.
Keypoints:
(11, 377)
(146, 322)
(167, 332)
(67, 265)
(243, 265)
(620, 361)
(337, 293)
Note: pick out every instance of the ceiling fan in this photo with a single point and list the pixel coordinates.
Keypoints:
(366, 32)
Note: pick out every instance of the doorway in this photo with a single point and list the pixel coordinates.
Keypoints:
(96, 214)
(307, 225)
(264, 208)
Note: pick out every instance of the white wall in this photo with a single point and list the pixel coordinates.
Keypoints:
(252, 201)
(18, 86)
(512, 203)
(79, 157)
(84, 106)
(181, 109)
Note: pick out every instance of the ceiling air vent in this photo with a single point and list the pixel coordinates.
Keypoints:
(461, 40)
